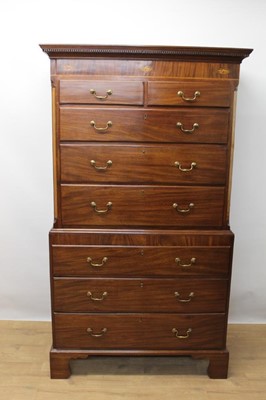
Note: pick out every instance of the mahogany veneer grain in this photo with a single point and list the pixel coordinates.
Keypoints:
(149, 129)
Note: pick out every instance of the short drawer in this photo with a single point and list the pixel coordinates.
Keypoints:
(141, 261)
(144, 125)
(139, 331)
(140, 295)
(101, 92)
(114, 205)
(176, 164)
(211, 93)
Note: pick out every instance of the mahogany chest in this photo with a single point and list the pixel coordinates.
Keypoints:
(141, 249)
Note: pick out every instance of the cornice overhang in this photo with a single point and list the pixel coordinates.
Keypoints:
(213, 54)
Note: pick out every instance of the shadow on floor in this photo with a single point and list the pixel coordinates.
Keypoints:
(139, 366)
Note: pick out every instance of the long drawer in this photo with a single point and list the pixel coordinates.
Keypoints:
(209, 93)
(178, 164)
(144, 261)
(182, 206)
(144, 125)
(139, 331)
(140, 295)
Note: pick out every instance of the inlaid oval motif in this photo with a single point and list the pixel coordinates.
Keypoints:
(146, 69)
(223, 71)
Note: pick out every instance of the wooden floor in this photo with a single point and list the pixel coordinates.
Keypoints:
(24, 370)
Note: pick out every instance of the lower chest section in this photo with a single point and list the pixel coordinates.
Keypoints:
(140, 290)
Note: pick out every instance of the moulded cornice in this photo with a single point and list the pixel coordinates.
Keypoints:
(215, 54)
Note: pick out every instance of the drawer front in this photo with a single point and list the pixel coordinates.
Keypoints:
(211, 94)
(135, 295)
(99, 205)
(129, 261)
(139, 331)
(178, 164)
(110, 124)
(101, 92)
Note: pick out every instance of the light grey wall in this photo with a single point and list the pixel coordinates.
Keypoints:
(25, 150)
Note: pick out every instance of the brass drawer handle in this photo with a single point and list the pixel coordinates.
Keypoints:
(90, 332)
(103, 296)
(108, 205)
(184, 300)
(175, 331)
(92, 264)
(108, 164)
(182, 95)
(179, 166)
(183, 265)
(194, 126)
(104, 129)
(108, 93)
(183, 210)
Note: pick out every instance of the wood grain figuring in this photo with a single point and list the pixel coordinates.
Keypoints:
(143, 164)
(139, 331)
(138, 237)
(148, 125)
(142, 206)
(130, 261)
(212, 94)
(147, 69)
(121, 92)
(134, 295)
(141, 251)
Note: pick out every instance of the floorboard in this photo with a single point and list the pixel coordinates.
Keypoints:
(24, 370)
